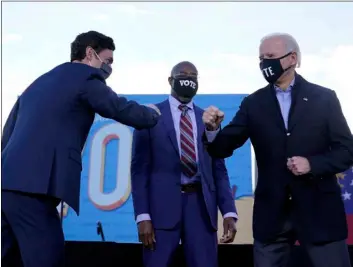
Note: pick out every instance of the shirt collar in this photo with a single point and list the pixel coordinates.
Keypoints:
(278, 89)
(176, 103)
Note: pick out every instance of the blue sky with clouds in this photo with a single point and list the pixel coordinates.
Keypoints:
(222, 39)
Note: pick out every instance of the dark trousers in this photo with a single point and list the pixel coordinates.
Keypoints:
(277, 253)
(31, 232)
(199, 239)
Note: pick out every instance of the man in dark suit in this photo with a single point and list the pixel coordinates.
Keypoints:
(301, 140)
(176, 185)
(42, 143)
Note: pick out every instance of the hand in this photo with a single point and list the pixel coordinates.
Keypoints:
(154, 107)
(229, 230)
(212, 118)
(146, 234)
(298, 165)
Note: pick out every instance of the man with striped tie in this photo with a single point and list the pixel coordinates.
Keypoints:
(176, 185)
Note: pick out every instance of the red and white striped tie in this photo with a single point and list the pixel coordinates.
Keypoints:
(187, 144)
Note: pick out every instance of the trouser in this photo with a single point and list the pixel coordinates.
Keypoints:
(30, 230)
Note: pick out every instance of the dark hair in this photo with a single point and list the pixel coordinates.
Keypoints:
(96, 40)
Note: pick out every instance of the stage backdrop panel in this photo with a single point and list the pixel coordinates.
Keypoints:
(105, 180)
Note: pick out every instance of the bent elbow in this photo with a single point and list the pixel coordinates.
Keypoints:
(147, 123)
(152, 121)
(218, 152)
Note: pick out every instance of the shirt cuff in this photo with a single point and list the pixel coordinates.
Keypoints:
(143, 217)
(211, 135)
(230, 215)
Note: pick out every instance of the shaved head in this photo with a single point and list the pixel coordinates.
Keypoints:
(184, 68)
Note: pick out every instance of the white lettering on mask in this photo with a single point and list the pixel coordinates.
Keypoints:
(188, 83)
(268, 71)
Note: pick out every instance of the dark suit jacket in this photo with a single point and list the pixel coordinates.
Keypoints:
(48, 126)
(156, 171)
(318, 131)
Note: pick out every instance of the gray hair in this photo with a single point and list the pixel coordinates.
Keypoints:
(290, 42)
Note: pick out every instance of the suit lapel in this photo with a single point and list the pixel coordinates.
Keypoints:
(200, 129)
(199, 123)
(300, 102)
(167, 120)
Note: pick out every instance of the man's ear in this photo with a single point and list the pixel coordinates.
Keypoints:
(89, 52)
(170, 80)
(294, 57)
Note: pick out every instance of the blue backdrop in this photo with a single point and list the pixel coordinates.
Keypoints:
(105, 180)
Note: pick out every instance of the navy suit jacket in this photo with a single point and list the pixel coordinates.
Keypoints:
(156, 174)
(318, 131)
(48, 126)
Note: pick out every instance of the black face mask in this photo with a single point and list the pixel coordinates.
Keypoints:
(185, 87)
(272, 69)
(106, 70)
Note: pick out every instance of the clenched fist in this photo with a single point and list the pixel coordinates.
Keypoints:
(298, 165)
(212, 118)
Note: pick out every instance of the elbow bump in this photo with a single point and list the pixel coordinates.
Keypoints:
(152, 121)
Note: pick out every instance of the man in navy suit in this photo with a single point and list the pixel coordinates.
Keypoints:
(176, 185)
(301, 140)
(42, 143)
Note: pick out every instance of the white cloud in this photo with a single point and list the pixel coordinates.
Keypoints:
(12, 87)
(333, 70)
(131, 9)
(101, 17)
(141, 78)
(11, 37)
(126, 9)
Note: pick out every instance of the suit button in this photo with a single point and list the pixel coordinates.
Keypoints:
(288, 134)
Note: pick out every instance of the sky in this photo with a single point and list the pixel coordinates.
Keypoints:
(221, 39)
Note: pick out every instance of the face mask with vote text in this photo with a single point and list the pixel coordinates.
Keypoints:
(185, 87)
(272, 69)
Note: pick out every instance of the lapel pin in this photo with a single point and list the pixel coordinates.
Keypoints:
(305, 99)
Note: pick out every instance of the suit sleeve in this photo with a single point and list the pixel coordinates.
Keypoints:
(10, 124)
(231, 137)
(225, 199)
(140, 171)
(104, 101)
(340, 155)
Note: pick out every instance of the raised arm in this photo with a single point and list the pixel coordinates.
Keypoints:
(104, 101)
(222, 142)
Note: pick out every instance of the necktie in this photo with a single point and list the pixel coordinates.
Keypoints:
(187, 144)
